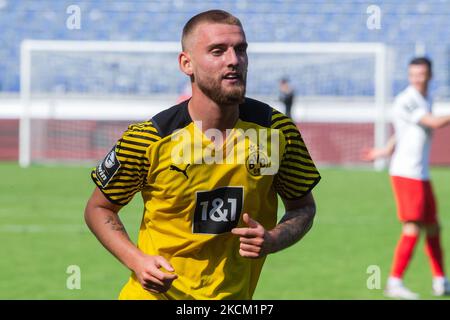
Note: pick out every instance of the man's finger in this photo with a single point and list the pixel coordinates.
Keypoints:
(252, 241)
(162, 275)
(149, 279)
(150, 285)
(245, 232)
(164, 263)
(249, 221)
(246, 254)
(154, 288)
(250, 248)
(366, 154)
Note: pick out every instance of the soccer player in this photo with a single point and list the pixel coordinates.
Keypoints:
(207, 226)
(410, 177)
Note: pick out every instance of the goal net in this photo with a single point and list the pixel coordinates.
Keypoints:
(78, 97)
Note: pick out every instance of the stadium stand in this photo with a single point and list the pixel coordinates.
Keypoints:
(405, 27)
(268, 20)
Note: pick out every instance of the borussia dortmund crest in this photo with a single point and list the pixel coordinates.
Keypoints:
(256, 161)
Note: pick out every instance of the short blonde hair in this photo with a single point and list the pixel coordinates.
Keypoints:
(213, 16)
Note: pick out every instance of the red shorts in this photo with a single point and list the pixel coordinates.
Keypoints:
(415, 200)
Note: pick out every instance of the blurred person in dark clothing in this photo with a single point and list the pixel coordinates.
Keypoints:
(287, 95)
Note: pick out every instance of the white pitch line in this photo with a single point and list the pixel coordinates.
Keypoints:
(36, 228)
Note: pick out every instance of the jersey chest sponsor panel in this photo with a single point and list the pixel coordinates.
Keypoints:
(190, 207)
(413, 141)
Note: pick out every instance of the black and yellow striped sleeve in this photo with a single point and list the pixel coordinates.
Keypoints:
(297, 174)
(123, 172)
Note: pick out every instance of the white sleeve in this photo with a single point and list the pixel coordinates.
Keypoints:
(410, 110)
(418, 114)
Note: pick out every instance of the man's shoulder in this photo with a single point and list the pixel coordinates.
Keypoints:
(408, 101)
(144, 126)
(171, 119)
(264, 115)
(141, 135)
(255, 111)
(405, 94)
(405, 99)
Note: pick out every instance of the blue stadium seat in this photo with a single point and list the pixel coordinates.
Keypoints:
(269, 20)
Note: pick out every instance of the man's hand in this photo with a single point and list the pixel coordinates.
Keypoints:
(255, 240)
(102, 218)
(371, 154)
(151, 277)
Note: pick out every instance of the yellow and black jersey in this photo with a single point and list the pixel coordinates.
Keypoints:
(194, 194)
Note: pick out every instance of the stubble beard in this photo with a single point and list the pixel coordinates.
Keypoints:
(212, 88)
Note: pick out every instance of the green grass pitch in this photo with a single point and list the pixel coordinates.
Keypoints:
(42, 232)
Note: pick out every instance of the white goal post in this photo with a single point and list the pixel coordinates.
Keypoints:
(264, 57)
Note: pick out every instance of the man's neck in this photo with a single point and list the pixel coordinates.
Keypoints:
(422, 90)
(212, 116)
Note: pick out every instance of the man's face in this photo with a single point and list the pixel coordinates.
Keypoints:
(419, 75)
(219, 62)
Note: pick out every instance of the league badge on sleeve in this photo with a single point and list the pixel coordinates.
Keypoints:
(106, 170)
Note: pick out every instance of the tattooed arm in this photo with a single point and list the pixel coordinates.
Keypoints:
(103, 219)
(295, 223)
(256, 242)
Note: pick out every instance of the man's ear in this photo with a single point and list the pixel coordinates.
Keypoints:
(185, 63)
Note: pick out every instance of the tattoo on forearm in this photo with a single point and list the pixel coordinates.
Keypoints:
(115, 224)
(292, 227)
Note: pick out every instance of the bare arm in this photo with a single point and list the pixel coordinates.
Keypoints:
(434, 122)
(375, 153)
(297, 221)
(102, 218)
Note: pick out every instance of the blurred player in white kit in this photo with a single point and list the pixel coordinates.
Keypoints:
(409, 170)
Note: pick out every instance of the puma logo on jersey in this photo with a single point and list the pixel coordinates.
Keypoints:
(184, 172)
